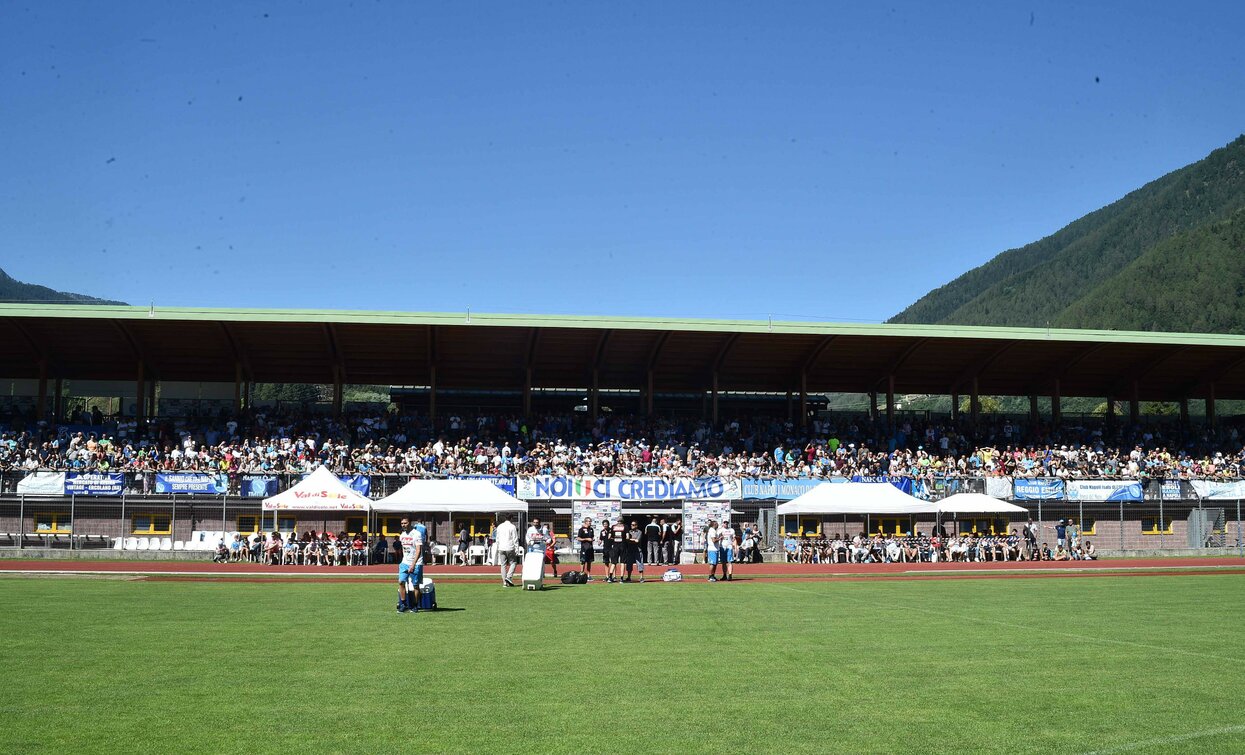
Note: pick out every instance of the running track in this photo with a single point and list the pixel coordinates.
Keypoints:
(205, 570)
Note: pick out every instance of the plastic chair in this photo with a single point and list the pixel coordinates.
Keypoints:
(476, 551)
(442, 552)
(130, 544)
(178, 545)
(118, 543)
(143, 544)
(166, 544)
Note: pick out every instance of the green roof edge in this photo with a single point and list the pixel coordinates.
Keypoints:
(483, 319)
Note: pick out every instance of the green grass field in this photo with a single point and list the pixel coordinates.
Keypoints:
(1064, 665)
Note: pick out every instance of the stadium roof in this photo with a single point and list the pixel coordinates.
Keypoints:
(474, 350)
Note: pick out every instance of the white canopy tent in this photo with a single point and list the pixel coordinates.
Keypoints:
(453, 496)
(976, 503)
(854, 498)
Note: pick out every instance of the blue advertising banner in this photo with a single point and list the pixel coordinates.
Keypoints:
(779, 490)
(903, 483)
(361, 484)
(192, 482)
(506, 484)
(1037, 489)
(259, 486)
(94, 483)
(1103, 490)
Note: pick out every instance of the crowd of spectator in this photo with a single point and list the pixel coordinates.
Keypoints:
(289, 441)
(880, 548)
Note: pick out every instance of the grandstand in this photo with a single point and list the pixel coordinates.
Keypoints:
(677, 388)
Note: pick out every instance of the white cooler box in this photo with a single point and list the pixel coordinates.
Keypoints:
(534, 571)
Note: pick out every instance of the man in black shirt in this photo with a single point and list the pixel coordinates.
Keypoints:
(634, 550)
(652, 541)
(616, 551)
(584, 537)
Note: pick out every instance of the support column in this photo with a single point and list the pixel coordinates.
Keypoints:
(1033, 410)
(1210, 405)
(337, 391)
(974, 404)
(43, 390)
(648, 395)
(1056, 412)
(890, 403)
(1184, 412)
(1134, 406)
(152, 408)
(955, 406)
(237, 386)
(58, 399)
(527, 392)
(873, 405)
(140, 396)
(432, 393)
(790, 411)
(594, 398)
(714, 401)
(1110, 411)
(804, 400)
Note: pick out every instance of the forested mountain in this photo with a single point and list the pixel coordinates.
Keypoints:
(15, 291)
(1168, 256)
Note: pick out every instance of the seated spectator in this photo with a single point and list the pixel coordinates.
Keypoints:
(1091, 553)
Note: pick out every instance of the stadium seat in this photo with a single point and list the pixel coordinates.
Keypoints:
(440, 551)
(143, 544)
(130, 544)
(178, 545)
(166, 544)
(118, 543)
(476, 551)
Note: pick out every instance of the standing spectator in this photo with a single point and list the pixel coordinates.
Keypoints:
(1030, 535)
(727, 542)
(1061, 534)
(676, 541)
(635, 550)
(665, 545)
(464, 540)
(652, 540)
(711, 548)
(584, 537)
(508, 549)
(617, 550)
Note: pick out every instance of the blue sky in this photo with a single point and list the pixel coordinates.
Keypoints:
(740, 160)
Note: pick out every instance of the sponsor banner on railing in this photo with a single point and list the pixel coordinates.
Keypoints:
(506, 484)
(192, 482)
(42, 483)
(903, 483)
(696, 517)
(779, 490)
(1037, 489)
(1104, 490)
(999, 487)
(1217, 490)
(94, 483)
(554, 487)
(259, 486)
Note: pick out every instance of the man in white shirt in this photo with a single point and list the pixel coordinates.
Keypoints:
(727, 541)
(411, 569)
(712, 537)
(507, 537)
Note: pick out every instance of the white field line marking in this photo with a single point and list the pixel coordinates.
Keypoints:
(1168, 740)
(1012, 625)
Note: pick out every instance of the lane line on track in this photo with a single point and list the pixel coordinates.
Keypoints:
(1159, 742)
(1013, 625)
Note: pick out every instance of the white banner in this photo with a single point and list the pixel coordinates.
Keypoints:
(554, 487)
(696, 517)
(1104, 490)
(999, 487)
(598, 512)
(1215, 490)
(42, 483)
